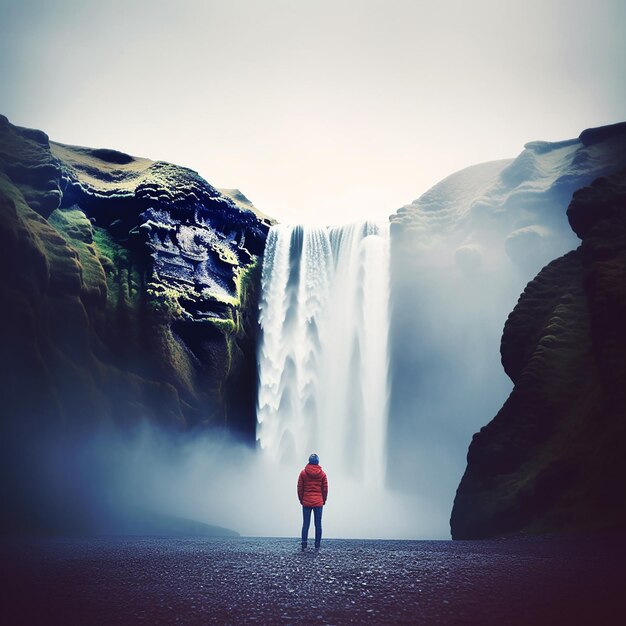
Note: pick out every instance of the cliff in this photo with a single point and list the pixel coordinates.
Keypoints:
(553, 457)
(129, 292)
(512, 210)
(461, 254)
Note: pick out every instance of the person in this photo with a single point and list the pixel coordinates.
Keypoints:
(312, 493)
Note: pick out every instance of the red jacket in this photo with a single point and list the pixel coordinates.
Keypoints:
(312, 486)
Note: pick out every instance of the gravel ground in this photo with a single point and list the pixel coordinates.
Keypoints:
(156, 580)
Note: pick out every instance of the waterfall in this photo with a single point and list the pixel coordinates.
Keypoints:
(323, 355)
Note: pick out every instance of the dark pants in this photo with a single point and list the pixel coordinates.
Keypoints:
(306, 522)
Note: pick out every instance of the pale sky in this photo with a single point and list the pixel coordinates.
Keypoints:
(321, 111)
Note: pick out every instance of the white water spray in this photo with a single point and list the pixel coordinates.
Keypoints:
(323, 357)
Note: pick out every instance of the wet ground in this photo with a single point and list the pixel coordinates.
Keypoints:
(152, 580)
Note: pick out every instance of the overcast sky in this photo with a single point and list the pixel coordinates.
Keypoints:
(318, 111)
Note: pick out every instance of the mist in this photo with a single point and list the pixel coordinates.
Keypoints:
(118, 482)
(447, 379)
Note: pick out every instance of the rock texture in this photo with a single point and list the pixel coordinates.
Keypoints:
(128, 290)
(553, 458)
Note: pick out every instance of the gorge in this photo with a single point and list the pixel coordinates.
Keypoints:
(138, 296)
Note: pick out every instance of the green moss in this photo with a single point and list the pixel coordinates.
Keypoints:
(246, 281)
(227, 326)
(221, 298)
(110, 252)
(124, 277)
(164, 301)
(76, 229)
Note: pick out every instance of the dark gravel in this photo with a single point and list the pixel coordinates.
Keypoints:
(154, 580)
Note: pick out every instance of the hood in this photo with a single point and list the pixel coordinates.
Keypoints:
(313, 471)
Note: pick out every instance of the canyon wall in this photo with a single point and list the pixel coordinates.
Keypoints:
(461, 255)
(553, 458)
(129, 292)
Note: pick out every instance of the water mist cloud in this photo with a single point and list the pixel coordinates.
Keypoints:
(116, 482)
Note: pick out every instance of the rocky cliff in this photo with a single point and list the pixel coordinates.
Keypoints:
(128, 290)
(461, 255)
(553, 458)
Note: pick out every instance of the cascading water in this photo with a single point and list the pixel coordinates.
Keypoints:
(323, 356)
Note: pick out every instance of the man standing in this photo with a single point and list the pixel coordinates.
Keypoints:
(312, 493)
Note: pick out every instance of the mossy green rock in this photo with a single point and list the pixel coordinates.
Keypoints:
(129, 292)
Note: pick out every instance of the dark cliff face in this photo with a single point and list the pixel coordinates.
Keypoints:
(553, 458)
(128, 290)
(461, 254)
